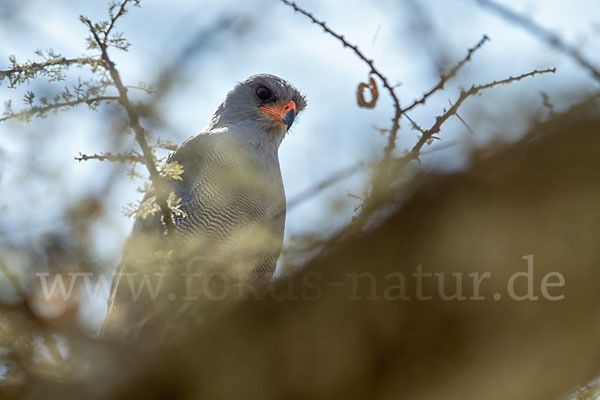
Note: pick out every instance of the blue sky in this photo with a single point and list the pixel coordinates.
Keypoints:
(332, 134)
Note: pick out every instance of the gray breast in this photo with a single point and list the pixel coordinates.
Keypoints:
(234, 202)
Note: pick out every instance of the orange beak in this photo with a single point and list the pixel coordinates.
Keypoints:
(285, 113)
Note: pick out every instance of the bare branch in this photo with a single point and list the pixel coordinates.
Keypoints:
(397, 110)
(380, 183)
(544, 34)
(464, 94)
(446, 77)
(414, 124)
(324, 184)
(547, 104)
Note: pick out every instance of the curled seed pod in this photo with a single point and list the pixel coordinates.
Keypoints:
(360, 98)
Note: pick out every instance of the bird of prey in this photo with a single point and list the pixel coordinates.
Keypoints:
(232, 209)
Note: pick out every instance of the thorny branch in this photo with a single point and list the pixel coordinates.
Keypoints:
(548, 36)
(382, 173)
(397, 110)
(453, 110)
(440, 85)
(413, 154)
(446, 77)
(140, 133)
(368, 206)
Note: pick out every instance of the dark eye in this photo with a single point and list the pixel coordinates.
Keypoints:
(263, 93)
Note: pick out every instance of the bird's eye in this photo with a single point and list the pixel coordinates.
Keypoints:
(263, 92)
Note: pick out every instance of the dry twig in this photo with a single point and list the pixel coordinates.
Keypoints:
(446, 77)
(453, 110)
(397, 110)
(118, 157)
(140, 133)
(40, 110)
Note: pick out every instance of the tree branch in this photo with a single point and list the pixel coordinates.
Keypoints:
(31, 69)
(546, 35)
(453, 110)
(380, 184)
(114, 18)
(37, 110)
(119, 157)
(324, 184)
(446, 77)
(140, 133)
(397, 110)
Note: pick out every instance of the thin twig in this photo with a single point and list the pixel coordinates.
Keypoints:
(324, 184)
(113, 20)
(40, 66)
(446, 77)
(165, 144)
(36, 110)
(397, 110)
(546, 102)
(118, 157)
(546, 35)
(140, 133)
(464, 94)
(414, 124)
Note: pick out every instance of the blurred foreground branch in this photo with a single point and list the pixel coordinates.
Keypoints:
(544, 34)
(120, 157)
(395, 312)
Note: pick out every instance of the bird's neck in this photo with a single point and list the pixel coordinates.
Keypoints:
(253, 134)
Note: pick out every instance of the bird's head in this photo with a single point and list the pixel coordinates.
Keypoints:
(266, 101)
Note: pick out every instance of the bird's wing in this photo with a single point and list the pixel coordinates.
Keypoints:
(230, 196)
(146, 235)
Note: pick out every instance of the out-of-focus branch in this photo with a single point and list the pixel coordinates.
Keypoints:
(118, 157)
(12, 279)
(397, 110)
(546, 35)
(140, 133)
(324, 184)
(165, 144)
(40, 110)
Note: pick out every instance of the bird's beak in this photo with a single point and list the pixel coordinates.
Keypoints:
(285, 113)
